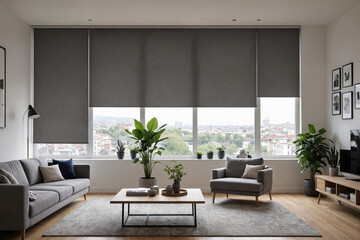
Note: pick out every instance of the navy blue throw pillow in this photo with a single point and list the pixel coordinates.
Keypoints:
(66, 168)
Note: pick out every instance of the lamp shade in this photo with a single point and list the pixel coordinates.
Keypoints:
(32, 113)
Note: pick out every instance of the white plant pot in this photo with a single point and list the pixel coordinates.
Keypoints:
(147, 182)
(333, 171)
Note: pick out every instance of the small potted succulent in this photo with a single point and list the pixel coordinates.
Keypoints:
(333, 161)
(176, 174)
(221, 152)
(120, 149)
(210, 154)
(133, 152)
(199, 155)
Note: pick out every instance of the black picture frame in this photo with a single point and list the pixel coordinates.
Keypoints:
(336, 99)
(3, 84)
(357, 96)
(347, 75)
(347, 105)
(336, 79)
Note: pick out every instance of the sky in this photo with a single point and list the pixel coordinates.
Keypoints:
(277, 110)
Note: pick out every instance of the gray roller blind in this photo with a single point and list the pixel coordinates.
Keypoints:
(226, 68)
(278, 62)
(61, 85)
(116, 67)
(169, 68)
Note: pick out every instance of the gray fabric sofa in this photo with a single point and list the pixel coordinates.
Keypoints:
(228, 180)
(17, 213)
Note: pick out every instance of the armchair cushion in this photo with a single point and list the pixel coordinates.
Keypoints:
(237, 184)
(235, 167)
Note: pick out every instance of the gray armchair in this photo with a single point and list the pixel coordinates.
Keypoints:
(228, 180)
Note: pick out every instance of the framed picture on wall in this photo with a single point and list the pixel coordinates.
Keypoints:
(347, 108)
(336, 79)
(357, 96)
(336, 103)
(347, 75)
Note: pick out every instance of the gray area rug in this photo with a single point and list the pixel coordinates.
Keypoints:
(232, 218)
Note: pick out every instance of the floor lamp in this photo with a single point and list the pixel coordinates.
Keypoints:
(32, 114)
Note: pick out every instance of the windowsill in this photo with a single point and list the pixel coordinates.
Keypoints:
(182, 159)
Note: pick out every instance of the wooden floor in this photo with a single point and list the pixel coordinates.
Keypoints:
(332, 220)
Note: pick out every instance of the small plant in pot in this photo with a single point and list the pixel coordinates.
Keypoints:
(333, 161)
(133, 152)
(312, 149)
(210, 154)
(199, 155)
(120, 149)
(148, 139)
(221, 152)
(176, 174)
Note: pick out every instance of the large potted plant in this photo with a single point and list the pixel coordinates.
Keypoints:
(176, 174)
(312, 149)
(148, 140)
(333, 161)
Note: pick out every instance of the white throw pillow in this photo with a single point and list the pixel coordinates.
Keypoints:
(51, 173)
(251, 171)
(9, 176)
(4, 179)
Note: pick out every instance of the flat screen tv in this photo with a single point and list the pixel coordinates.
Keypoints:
(350, 161)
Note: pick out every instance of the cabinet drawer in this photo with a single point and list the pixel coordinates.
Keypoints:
(320, 184)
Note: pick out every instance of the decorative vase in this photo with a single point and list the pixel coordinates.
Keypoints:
(132, 154)
(210, 155)
(309, 188)
(176, 187)
(147, 182)
(198, 156)
(333, 171)
(221, 154)
(169, 189)
(120, 155)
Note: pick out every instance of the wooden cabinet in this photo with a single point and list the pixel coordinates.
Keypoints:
(341, 185)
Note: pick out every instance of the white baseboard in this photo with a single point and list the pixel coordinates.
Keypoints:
(203, 189)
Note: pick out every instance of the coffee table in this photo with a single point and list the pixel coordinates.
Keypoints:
(193, 197)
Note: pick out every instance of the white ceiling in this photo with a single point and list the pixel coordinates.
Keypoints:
(179, 12)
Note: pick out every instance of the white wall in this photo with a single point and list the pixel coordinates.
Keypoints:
(343, 46)
(15, 37)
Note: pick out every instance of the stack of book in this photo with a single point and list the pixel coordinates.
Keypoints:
(330, 190)
(352, 197)
(137, 192)
(344, 195)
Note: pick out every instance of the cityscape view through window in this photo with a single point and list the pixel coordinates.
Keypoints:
(233, 128)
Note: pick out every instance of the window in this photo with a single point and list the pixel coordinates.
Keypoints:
(179, 128)
(229, 127)
(278, 128)
(108, 127)
(192, 129)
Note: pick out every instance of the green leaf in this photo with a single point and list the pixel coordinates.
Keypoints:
(152, 124)
(137, 133)
(312, 129)
(127, 131)
(139, 125)
(136, 160)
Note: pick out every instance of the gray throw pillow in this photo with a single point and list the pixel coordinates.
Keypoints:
(9, 176)
(4, 179)
(251, 171)
(51, 173)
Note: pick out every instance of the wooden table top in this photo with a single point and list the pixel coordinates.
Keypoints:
(194, 196)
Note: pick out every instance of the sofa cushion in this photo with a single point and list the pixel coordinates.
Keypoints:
(44, 200)
(32, 171)
(237, 184)
(77, 184)
(4, 179)
(235, 167)
(66, 168)
(63, 191)
(51, 173)
(251, 171)
(8, 176)
(15, 168)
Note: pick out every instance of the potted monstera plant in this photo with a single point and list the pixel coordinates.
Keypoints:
(312, 149)
(148, 139)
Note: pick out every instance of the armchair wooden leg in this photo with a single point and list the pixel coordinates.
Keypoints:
(257, 201)
(85, 197)
(270, 195)
(227, 195)
(214, 197)
(319, 197)
(22, 232)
